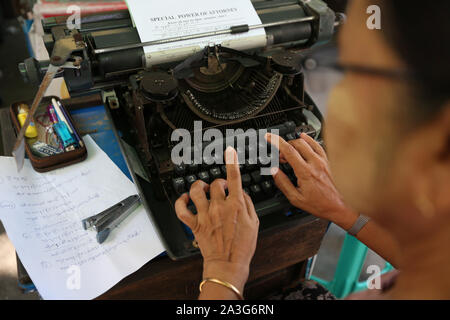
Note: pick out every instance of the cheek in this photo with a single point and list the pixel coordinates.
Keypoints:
(348, 135)
(408, 172)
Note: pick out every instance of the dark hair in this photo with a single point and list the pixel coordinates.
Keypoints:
(420, 32)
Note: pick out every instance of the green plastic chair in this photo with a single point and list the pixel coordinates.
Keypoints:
(348, 269)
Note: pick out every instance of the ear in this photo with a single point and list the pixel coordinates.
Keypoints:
(444, 120)
(427, 166)
(440, 161)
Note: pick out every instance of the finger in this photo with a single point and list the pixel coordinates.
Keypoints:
(233, 173)
(314, 144)
(198, 195)
(250, 206)
(304, 149)
(252, 215)
(217, 189)
(183, 213)
(285, 185)
(288, 151)
(282, 159)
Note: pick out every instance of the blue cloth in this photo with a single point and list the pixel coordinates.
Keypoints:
(94, 121)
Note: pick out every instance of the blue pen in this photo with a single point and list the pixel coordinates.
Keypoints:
(61, 129)
(77, 137)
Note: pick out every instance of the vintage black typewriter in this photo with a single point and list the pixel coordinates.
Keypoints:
(224, 88)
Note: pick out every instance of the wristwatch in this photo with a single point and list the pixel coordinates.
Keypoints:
(358, 225)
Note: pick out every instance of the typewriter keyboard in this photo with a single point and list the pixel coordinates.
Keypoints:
(261, 188)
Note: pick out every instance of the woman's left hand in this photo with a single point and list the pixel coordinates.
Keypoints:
(315, 191)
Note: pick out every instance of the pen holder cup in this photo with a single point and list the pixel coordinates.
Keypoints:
(49, 146)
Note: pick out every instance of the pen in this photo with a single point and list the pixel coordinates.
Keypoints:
(61, 128)
(60, 114)
(52, 114)
(73, 131)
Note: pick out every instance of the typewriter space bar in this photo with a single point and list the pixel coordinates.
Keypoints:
(263, 208)
(274, 205)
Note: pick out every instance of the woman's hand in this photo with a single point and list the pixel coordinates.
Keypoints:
(316, 192)
(225, 227)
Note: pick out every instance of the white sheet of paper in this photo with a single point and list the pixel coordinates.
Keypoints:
(156, 20)
(42, 215)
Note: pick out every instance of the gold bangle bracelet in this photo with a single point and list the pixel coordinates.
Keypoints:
(223, 283)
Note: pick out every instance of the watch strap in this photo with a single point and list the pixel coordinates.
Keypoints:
(358, 225)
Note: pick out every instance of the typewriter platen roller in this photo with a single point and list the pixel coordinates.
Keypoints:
(223, 88)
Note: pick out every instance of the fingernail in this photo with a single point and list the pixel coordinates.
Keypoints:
(273, 171)
(229, 155)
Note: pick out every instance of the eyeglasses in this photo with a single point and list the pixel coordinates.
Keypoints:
(326, 72)
(374, 71)
(396, 74)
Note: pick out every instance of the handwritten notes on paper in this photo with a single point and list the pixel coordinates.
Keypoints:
(42, 215)
(156, 20)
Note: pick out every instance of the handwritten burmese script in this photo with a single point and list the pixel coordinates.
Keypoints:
(42, 215)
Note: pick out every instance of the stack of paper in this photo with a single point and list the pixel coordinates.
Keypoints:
(42, 215)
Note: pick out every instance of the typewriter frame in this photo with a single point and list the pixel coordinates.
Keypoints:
(174, 236)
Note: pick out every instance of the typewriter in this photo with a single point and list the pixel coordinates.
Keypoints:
(223, 88)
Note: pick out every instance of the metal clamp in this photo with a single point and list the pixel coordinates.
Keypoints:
(107, 220)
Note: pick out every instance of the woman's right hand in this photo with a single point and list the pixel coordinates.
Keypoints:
(315, 191)
(225, 227)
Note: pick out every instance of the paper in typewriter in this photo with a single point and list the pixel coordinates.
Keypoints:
(156, 20)
(42, 215)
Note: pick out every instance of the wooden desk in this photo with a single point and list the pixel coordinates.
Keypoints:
(279, 260)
